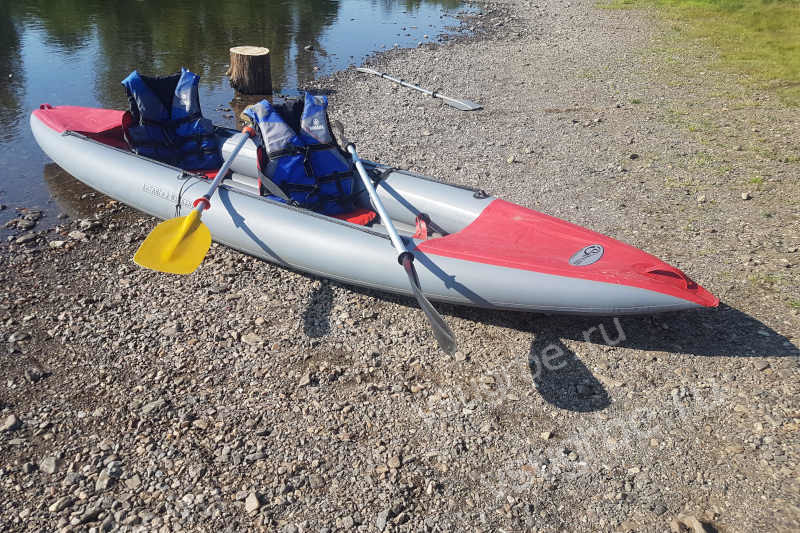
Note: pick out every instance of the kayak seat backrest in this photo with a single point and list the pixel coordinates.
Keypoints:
(291, 111)
(167, 123)
(163, 87)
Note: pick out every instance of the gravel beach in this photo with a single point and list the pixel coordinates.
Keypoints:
(247, 397)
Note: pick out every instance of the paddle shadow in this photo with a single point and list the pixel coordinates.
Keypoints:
(557, 371)
(399, 198)
(316, 317)
(565, 382)
(562, 379)
(239, 222)
(449, 280)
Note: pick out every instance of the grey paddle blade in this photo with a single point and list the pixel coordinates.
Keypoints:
(463, 105)
(444, 335)
(369, 71)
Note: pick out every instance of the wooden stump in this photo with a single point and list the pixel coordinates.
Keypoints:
(249, 70)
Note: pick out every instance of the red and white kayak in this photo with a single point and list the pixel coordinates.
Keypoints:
(477, 250)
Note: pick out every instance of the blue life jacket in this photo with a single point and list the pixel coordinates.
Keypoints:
(167, 122)
(302, 158)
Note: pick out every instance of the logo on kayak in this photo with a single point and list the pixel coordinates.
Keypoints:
(587, 255)
(170, 196)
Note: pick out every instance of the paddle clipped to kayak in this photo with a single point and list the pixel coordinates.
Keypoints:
(179, 245)
(444, 335)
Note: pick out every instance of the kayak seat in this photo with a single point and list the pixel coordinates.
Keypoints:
(360, 216)
(208, 174)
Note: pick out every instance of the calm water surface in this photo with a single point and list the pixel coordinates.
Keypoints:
(77, 51)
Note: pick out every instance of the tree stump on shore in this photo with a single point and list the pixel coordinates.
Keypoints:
(249, 71)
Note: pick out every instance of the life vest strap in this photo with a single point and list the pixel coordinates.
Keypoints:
(323, 199)
(335, 177)
(299, 150)
(172, 123)
(172, 142)
(297, 187)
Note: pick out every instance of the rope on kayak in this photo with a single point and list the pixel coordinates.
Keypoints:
(422, 227)
(185, 177)
(379, 174)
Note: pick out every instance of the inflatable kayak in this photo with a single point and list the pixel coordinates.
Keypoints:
(478, 250)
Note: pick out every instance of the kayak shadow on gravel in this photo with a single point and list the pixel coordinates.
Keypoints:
(557, 371)
(563, 379)
(721, 332)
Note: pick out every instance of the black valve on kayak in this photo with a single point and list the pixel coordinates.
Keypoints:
(480, 194)
(405, 255)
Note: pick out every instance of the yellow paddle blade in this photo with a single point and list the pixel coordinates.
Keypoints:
(176, 246)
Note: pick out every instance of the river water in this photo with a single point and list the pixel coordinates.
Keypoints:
(76, 52)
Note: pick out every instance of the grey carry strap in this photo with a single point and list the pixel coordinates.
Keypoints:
(273, 188)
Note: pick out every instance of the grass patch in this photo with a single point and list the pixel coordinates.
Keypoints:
(686, 183)
(724, 170)
(703, 159)
(763, 280)
(759, 38)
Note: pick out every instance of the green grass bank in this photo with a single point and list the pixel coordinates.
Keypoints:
(759, 39)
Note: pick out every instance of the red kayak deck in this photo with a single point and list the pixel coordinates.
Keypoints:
(512, 236)
(88, 120)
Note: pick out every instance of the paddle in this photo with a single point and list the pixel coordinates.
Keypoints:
(463, 105)
(444, 335)
(178, 245)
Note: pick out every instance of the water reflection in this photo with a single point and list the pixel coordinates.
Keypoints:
(70, 195)
(11, 76)
(158, 37)
(198, 35)
(77, 51)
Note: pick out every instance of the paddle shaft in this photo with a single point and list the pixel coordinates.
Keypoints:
(397, 80)
(397, 242)
(204, 202)
(441, 331)
(464, 105)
